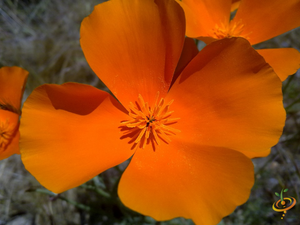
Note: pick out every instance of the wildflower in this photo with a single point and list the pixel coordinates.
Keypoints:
(255, 20)
(12, 81)
(189, 142)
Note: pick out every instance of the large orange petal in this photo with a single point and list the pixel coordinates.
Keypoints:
(228, 96)
(203, 15)
(12, 83)
(268, 18)
(69, 134)
(284, 61)
(9, 134)
(186, 180)
(134, 46)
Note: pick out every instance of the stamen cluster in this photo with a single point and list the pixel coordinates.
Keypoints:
(234, 29)
(150, 123)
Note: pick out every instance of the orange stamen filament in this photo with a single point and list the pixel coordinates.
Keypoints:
(151, 122)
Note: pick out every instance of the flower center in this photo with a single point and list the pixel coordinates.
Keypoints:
(149, 124)
(5, 135)
(233, 29)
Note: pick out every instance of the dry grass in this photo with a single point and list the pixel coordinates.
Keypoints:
(42, 36)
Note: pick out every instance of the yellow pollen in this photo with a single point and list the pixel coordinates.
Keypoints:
(149, 124)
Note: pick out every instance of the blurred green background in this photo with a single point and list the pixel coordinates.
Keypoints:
(42, 36)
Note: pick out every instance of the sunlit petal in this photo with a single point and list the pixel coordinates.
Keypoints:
(231, 99)
(69, 134)
(186, 180)
(134, 46)
(284, 61)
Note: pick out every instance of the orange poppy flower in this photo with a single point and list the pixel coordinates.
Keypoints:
(12, 82)
(255, 20)
(189, 142)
